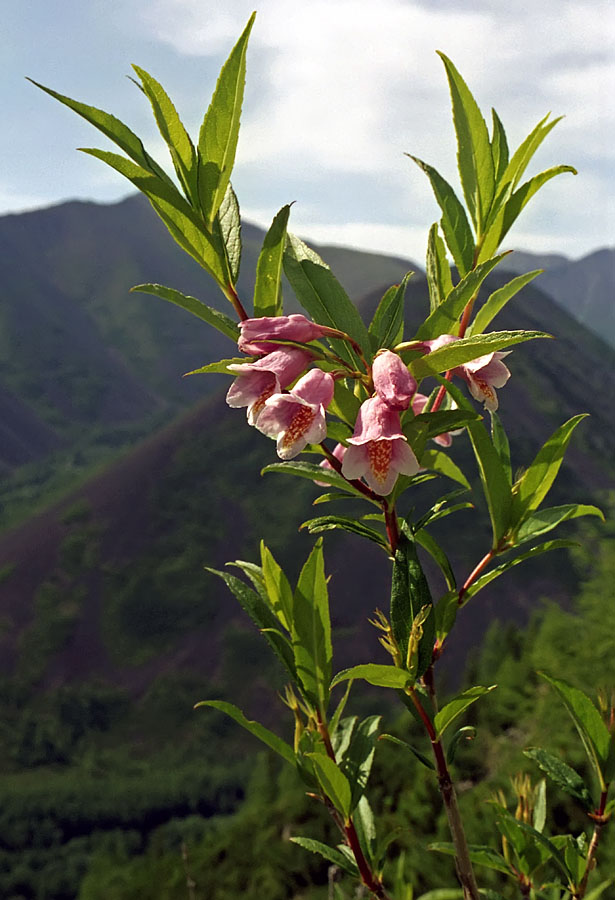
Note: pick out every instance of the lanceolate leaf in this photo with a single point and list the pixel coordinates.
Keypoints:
(536, 481)
(376, 674)
(174, 211)
(544, 520)
(220, 129)
(330, 523)
(499, 148)
(260, 613)
(255, 728)
(277, 587)
(456, 706)
(115, 130)
(524, 194)
(329, 853)
(175, 135)
(473, 147)
(333, 782)
(445, 318)
(462, 351)
(485, 579)
(410, 594)
(592, 730)
(444, 465)
(502, 447)
(480, 856)
(560, 773)
(323, 297)
(217, 319)
(313, 473)
(496, 301)
(387, 327)
(454, 222)
(356, 761)
(409, 748)
(437, 269)
(221, 367)
(268, 285)
(311, 629)
(229, 224)
(494, 479)
(430, 544)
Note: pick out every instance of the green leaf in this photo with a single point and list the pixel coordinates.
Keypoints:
(363, 819)
(330, 523)
(410, 594)
(444, 465)
(329, 853)
(417, 753)
(498, 300)
(588, 721)
(465, 349)
(599, 890)
(260, 613)
(333, 782)
(524, 194)
(387, 327)
(220, 129)
(356, 761)
(444, 894)
(499, 148)
(115, 130)
(323, 297)
(445, 318)
(473, 148)
(313, 473)
(437, 269)
(540, 806)
(446, 613)
(277, 587)
(499, 440)
(468, 733)
(504, 817)
(229, 223)
(457, 705)
(255, 728)
(494, 479)
(220, 367)
(311, 629)
(268, 285)
(479, 855)
(376, 674)
(536, 481)
(562, 775)
(431, 545)
(544, 520)
(174, 211)
(192, 305)
(485, 579)
(454, 222)
(175, 135)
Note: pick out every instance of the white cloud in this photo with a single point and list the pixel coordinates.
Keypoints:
(345, 86)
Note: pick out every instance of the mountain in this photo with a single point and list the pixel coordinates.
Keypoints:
(584, 287)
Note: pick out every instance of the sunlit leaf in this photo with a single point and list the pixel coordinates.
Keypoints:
(561, 774)
(498, 300)
(268, 284)
(212, 316)
(387, 327)
(311, 629)
(457, 705)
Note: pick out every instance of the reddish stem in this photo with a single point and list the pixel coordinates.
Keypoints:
(390, 519)
(237, 304)
(475, 573)
(601, 821)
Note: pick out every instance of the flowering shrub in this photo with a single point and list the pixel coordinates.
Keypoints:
(326, 383)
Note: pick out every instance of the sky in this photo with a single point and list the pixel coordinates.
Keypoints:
(337, 92)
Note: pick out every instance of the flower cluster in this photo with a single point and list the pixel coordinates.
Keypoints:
(294, 416)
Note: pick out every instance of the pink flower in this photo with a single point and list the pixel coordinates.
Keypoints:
(259, 380)
(338, 453)
(419, 402)
(482, 375)
(298, 418)
(379, 451)
(392, 381)
(268, 328)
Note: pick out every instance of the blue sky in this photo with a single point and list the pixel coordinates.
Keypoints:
(337, 91)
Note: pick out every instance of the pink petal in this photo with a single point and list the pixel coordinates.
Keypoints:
(266, 329)
(376, 421)
(392, 381)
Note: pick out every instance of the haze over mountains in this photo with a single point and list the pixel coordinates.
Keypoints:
(88, 369)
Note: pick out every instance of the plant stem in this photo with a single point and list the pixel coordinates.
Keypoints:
(463, 864)
(600, 820)
(369, 879)
(231, 293)
(390, 519)
(476, 571)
